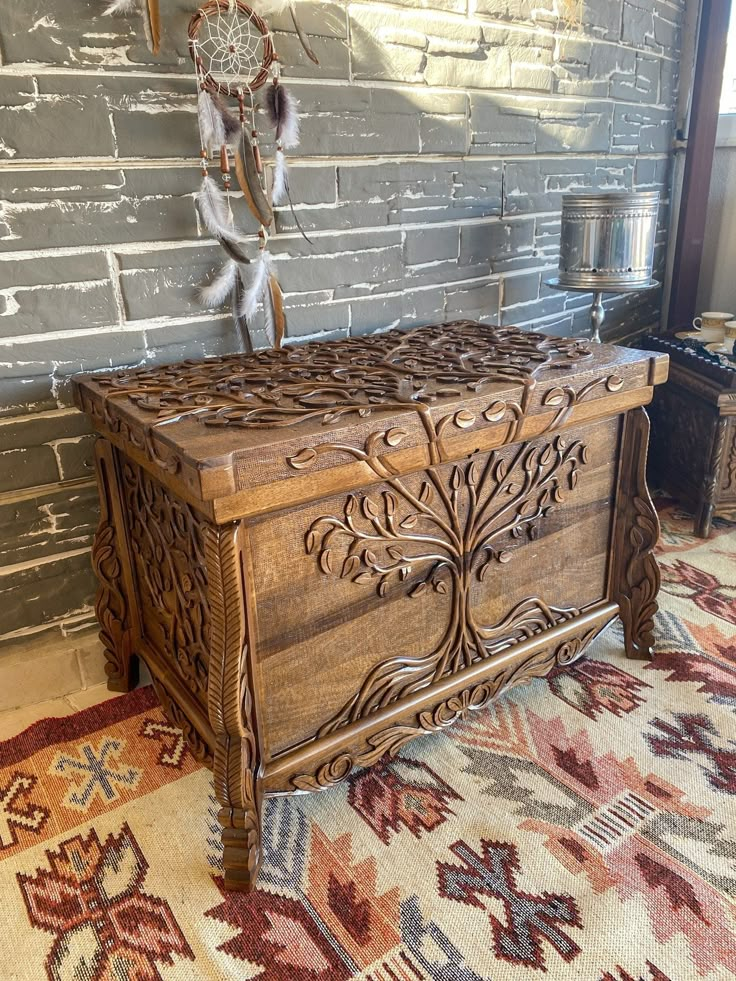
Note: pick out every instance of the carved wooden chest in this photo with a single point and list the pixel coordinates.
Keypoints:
(325, 551)
(694, 432)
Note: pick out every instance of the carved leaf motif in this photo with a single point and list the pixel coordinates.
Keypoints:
(350, 565)
(464, 419)
(418, 589)
(394, 436)
(409, 522)
(426, 493)
(614, 383)
(495, 412)
(304, 458)
(555, 396)
(325, 561)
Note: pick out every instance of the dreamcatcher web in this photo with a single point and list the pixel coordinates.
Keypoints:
(232, 48)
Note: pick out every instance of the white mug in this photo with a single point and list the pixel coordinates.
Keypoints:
(730, 329)
(713, 319)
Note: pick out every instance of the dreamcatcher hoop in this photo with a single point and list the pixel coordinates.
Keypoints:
(226, 38)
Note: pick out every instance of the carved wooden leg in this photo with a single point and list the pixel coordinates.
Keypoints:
(711, 482)
(635, 581)
(111, 562)
(230, 706)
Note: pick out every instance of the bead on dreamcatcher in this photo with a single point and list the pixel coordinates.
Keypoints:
(234, 56)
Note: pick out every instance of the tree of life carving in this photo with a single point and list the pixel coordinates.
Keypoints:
(447, 535)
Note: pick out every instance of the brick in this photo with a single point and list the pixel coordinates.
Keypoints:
(48, 123)
(502, 125)
(98, 207)
(196, 339)
(501, 246)
(58, 520)
(154, 117)
(53, 270)
(638, 129)
(424, 245)
(538, 185)
(350, 265)
(476, 301)
(568, 129)
(33, 596)
(165, 282)
(70, 306)
(28, 455)
(313, 313)
(525, 298)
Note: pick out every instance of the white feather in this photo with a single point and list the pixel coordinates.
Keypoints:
(269, 316)
(211, 126)
(215, 213)
(119, 7)
(289, 135)
(255, 283)
(221, 287)
(280, 191)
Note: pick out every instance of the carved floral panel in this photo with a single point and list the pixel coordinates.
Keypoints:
(167, 543)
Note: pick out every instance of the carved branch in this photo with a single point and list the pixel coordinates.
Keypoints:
(390, 741)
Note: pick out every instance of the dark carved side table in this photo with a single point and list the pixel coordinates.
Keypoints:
(325, 551)
(693, 448)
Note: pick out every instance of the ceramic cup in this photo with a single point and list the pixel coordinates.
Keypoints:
(712, 320)
(730, 329)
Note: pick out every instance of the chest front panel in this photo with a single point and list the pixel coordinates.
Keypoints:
(375, 594)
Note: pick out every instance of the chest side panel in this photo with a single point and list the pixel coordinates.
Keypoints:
(166, 539)
(362, 599)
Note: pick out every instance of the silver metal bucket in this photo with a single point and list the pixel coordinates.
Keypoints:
(607, 240)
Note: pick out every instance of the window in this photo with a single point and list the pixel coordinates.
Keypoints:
(727, 118)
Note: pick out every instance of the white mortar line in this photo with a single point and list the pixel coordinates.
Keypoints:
(9, 570)
(42, 164)
(33, 416)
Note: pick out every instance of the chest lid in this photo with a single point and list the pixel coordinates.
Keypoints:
(278, 427)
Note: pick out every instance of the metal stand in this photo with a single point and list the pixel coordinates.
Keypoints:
(597, 311)
(597, 316)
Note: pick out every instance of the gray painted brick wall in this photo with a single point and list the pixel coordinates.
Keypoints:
(438, 138)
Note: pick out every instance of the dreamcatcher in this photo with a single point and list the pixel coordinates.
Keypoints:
(234, 56)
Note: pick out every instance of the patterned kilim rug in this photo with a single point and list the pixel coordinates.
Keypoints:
(585, 827)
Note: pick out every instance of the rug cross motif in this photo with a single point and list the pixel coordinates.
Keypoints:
(93, 774)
